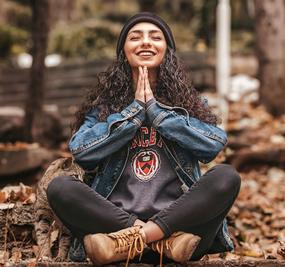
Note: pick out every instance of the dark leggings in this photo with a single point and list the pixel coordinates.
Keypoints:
(200, 211)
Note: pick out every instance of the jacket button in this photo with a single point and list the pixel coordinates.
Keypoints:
(133, 109)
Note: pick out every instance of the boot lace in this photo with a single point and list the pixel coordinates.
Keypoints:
(160, 245)
(131, 242)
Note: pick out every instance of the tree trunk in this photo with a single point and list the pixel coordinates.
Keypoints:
(35, 95)
(270, 41)
(147, 5)
(206, 28)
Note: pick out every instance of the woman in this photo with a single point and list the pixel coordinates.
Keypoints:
(143, 130)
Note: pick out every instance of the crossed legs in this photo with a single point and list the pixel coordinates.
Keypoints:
(199, 211)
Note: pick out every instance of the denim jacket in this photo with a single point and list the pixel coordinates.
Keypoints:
(187, 140)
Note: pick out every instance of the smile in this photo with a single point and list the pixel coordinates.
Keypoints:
(146, 53)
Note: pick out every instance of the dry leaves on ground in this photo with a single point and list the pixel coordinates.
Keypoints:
(257, 148)
(21, 192)
(257, 219)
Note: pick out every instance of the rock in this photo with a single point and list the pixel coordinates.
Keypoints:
(11, 124)
(47, 128)
(14, 162)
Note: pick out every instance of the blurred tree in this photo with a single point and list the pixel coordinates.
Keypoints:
(270, 44)
(15, 25)
(60, 11)
(181, 10)
(206, 28)
(35, 96)
(147, 5)
(240, 15)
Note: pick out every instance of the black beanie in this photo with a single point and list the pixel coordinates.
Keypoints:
(145, 17)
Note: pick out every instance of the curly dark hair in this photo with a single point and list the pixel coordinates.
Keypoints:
(114, 91)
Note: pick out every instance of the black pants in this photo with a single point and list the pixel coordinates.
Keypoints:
(200, 211)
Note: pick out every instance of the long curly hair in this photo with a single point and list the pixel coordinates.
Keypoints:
(113, 91)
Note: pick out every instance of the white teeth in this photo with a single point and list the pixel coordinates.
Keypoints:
(145, 53)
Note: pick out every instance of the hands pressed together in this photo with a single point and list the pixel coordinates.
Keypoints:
(143, 91)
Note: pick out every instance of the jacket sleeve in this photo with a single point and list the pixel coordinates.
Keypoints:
(203, 140)
(96, 140)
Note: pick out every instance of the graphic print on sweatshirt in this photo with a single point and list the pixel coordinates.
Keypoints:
(145, 157)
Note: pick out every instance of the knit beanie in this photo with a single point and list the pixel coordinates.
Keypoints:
(145, 17)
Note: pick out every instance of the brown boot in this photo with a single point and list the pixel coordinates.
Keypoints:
(122, 245)
(178, 247)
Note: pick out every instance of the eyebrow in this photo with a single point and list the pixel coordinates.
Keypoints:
(139, 31)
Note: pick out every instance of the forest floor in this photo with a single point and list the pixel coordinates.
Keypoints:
(256, 148)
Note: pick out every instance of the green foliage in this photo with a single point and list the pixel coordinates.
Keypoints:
(22, 2)
(84, 41)
(15, 31)
(19, 16)
(92, 27)
(12, 40)
(242, 41)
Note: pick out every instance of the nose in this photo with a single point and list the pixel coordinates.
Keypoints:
(146, 40)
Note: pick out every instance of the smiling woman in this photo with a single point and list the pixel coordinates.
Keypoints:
(141, 133)
(145, 45)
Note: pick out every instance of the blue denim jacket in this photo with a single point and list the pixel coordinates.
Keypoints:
(187, 140)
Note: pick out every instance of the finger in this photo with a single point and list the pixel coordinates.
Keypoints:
(140, 86)
(146, 80)
(145, 72)
(140, 79)
(148, 91)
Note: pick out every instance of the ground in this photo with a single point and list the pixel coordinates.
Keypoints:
(256, 148)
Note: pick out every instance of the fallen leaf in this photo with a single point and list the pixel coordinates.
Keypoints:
(3, 197)
(31, 264)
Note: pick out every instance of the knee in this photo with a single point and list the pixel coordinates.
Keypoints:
(227, 179)
(58, 188)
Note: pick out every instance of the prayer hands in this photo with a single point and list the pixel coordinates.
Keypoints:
(143, 91)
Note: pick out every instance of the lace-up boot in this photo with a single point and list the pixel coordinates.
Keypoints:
(178, 247)
(122, 245)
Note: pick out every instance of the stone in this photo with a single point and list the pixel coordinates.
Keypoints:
(47, 128)
(13, 162)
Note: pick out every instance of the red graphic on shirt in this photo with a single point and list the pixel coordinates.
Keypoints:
(145, 165)
(146, 137)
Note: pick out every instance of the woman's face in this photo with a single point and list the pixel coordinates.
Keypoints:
(145, 45)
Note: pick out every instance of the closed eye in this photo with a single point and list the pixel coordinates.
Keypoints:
(134, 38)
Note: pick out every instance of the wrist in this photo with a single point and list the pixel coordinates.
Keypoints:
(149, 102)
(141, 102)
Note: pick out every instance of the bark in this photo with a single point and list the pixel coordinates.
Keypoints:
(35, 95)
(270, 42)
